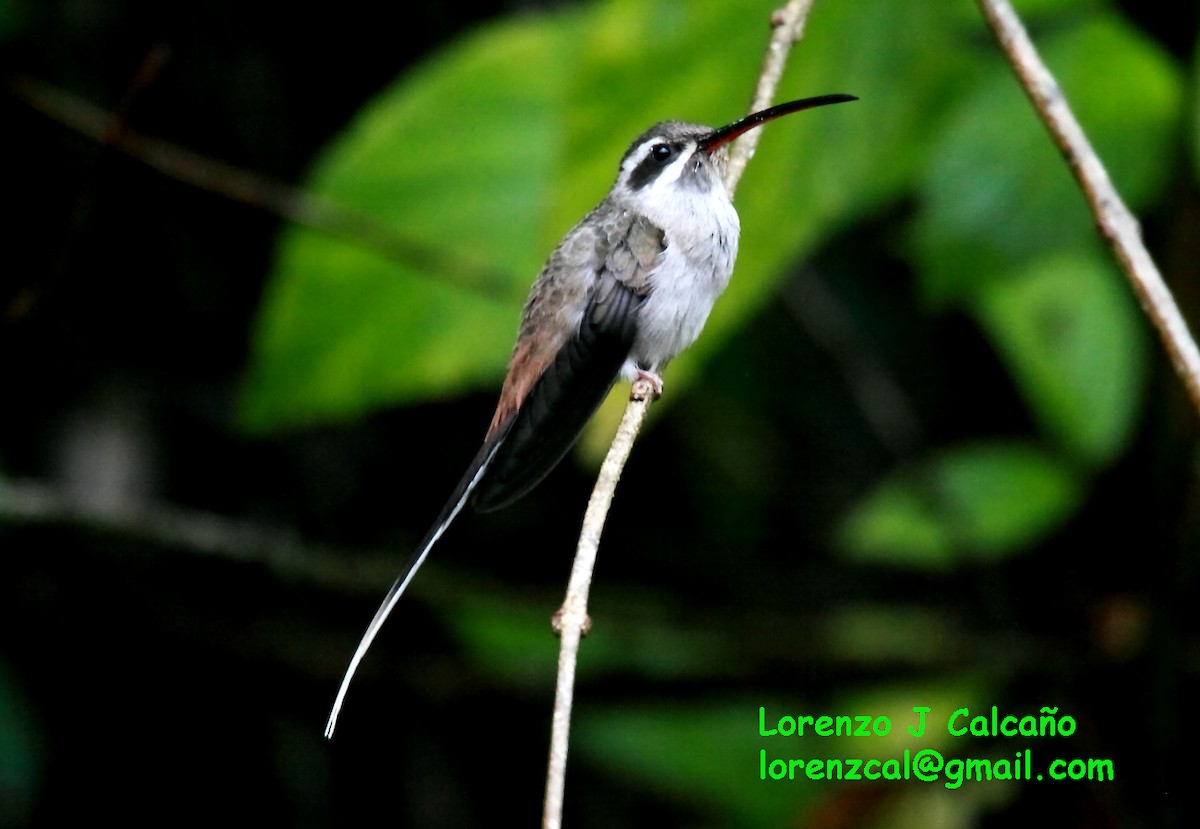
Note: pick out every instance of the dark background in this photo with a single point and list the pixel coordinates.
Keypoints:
(154, 674)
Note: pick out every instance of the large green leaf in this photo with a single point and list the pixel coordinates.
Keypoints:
(488, 153)
(455, 158)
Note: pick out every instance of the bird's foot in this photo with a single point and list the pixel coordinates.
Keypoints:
(646, 384)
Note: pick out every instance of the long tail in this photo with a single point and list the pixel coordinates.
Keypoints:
(462, 492)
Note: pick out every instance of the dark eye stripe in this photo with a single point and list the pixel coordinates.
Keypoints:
(648, 168)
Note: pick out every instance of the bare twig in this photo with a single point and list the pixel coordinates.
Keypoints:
(571, 621)
(198, 533)
(42, 281)
(787, 29)
(255, 190)
(1116, 224)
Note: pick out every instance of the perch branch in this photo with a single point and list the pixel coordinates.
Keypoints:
(571, 621)
(1116, 223)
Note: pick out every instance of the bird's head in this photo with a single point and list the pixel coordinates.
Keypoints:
(674, 160)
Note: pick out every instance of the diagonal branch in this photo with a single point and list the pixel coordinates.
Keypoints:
(787, 29)
(211, 175)
(1114, 220)
(571, 621)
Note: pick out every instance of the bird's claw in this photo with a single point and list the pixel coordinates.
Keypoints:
(646, 384)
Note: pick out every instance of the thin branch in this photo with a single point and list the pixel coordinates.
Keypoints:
(787, 29)
(572, 621)
(39, 282)
(198, 533)
(220, 178)
(1114, 220)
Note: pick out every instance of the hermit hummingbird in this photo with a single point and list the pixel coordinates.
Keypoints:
(627, 289)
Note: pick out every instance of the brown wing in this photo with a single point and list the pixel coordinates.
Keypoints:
(561, 371)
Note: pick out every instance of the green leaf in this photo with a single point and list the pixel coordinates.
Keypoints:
(456, 157)
(978, 501)
(1069, 330)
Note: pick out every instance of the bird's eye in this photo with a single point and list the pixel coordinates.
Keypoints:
(661, 153)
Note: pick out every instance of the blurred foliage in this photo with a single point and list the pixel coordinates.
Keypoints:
(12, 19)
(488, 152)
(685, 751)
(22, 757)
(860, 576)
(492, 150)
(1195, 110)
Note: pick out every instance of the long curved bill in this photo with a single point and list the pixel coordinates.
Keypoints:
(722, 136)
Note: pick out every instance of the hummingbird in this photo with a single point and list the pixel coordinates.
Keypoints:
(626, 290)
